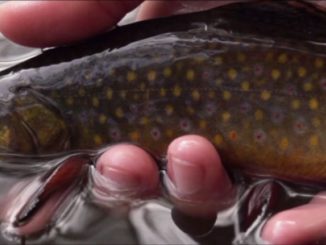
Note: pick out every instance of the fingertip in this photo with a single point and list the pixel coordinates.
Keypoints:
(301, 225)
(155, 9)
(196, 175)
(51, 23)
(201, 154)
(129, 167)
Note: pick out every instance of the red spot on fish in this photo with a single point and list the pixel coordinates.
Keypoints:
(185, 125)
(245, 107)
(323, 83)
(259, 136)
(258, 69)
(300, 126)
(156, 134)
(115, 134)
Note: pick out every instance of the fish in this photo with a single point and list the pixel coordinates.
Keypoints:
(248, 76)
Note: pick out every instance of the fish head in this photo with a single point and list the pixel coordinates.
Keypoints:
(31, 125)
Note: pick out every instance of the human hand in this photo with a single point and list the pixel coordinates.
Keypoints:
(50, 23)
(29, 23)
(194, 167)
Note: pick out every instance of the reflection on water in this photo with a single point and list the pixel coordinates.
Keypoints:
(11, 53)
(83, 216)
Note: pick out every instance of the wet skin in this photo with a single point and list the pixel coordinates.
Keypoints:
(13, 17)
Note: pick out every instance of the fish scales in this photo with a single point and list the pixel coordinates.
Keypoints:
(258, 99)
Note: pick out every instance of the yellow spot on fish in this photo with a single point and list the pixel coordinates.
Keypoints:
(190, 75)
(169, 109)
(70, 101)
(134, 136)
(295, 104)
(276, 74)
(195, 94)
(259, 115)
(177, 91)
(307, 86)
(162, 92)
(245, 86)
(302, 71)
(265, 95)
(241, 57)
(233, 135)
(202, 124)
(95, 102)
(102, 119)
(226, 116)
(284, 144)
(81, 92)
(109, 93)
(144, 120)
(136, 96)
(119, 112)
(218, 139)
(314, 140)
(232, 73)
(131, 76)
(219, 82)
(5, 135)
(211, 94)
(319, 62)
(218, 60)
(282, 58)
(169, 133)
(167, 72)
(98, 140)
(226, 95)
(190, 110)
(151, 75)
(316, 122)
(313, 104)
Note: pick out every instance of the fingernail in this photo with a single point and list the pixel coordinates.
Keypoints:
(187, 177)
(120, 180)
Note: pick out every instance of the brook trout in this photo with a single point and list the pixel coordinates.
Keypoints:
(249, 76)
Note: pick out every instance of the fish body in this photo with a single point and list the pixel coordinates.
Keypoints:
(257, 94)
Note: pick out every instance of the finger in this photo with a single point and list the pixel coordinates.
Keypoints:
(49, 23)
(198, 184)
(318, 4)
(154, 9)
(127, 170)
(301, 225)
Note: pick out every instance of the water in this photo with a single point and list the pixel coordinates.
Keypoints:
(87, 215)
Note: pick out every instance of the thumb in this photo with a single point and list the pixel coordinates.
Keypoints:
(49, 23)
